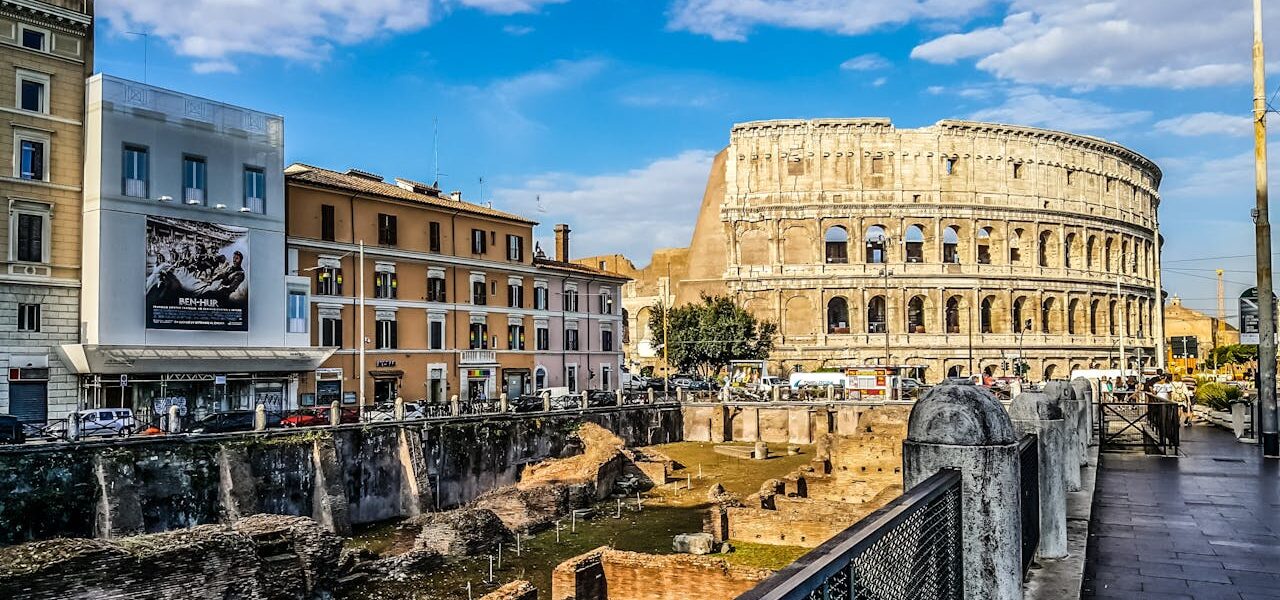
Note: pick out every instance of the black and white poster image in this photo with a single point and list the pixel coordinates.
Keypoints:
(197, 275)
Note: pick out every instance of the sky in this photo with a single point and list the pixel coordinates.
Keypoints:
(605, 114)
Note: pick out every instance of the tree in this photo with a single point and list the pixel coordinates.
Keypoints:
(1235, 354)
(705, 336)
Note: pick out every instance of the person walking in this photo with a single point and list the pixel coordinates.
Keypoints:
(1182, 396)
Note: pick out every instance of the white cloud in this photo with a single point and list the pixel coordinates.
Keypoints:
(1145, 43)
(1207, 123)
(215, 32)
(517, 30)
(631, 212)
(866, 62)
(880, 81)
(500, 103)
(1030, 107)
(733, 20)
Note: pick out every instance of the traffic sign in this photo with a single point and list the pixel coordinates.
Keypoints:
(1249, 315)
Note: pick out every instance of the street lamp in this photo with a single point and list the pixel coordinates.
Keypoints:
(1019, 366)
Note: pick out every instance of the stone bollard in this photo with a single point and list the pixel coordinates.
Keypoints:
(502, 403)
(174, 423)
(1237, 418)
(831, 393)
(761, 451)
(1064, 394)
(546, 401)
(962, 426)
(777, 393)
(1041, 414)
(73, 426)
(680, 395)
(650, 396)
(398, 411)
(259, 418)
(335, 414)
(619, 396)
(455, 407)
(1084, 390)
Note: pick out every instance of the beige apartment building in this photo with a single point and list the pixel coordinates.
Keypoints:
(951, 249)
(46, 52)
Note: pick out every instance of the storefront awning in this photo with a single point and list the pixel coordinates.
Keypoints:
(87, 359)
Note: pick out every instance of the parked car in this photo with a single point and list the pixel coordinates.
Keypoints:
(106, 421)
(225, 422)
(691, 384)
(601, 398)
(313, 417)
(638, 382)
(11, 430)
(526, 403)
(768, 383)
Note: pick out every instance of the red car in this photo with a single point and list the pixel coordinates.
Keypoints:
(314, 417)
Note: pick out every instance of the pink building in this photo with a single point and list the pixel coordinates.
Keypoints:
(578, 326)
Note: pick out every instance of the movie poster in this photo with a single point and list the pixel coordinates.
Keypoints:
(197, 275)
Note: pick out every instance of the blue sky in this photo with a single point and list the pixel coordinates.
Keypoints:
(610, 110)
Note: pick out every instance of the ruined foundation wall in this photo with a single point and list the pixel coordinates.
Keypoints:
(607, 574)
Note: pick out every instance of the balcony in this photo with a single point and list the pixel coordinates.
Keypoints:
(135, 188)
(478, 357)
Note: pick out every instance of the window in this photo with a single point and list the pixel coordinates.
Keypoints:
(515, 295)
(329, 281)
(984, 246)
(479, 336)
(876, 315)
(984, 316)
(571, 300)
(876, 241)
(255, 190)
(1070, 176)
(949, 165)
(606, 303)
(33, 155)
(952, 316)
(1017, 170)
(386, 334)
(384, 285)
(194, 180)
(915, 315)
(478, 295)
(606, 378)
(1068, 246)
(1047, 322)
(435, 333)
(951, 245)
(386, 230)
(571, 339)
(877, 165)
(327, 222)
(436, 288)
(515, 248)
(606, 340)
(837, 245)
(30, 239)
(571, 378)
(1019, 324)
(330, 331)
(28, 317)
(515, 337)
(543, 337)
(34, 39)
(433, 236)
(136, 166)
(1045, 248)
(479, 244)
(915, 244)
(1015, 247)
(297, 312)
(33, 91)
(838, 315)
(540, 297)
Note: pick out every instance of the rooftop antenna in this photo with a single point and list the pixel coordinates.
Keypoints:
(542, 208)
(435, 148)
(146, 43)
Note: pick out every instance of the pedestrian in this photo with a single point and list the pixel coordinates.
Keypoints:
(1182, 396)
(1162, 388)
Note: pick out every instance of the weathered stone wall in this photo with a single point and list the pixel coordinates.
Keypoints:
(607, 574)
(786, 422)
(790, 526)
(341, 476)
(516, 590)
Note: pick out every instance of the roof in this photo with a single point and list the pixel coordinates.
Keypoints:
(577, 268)
(367, 183)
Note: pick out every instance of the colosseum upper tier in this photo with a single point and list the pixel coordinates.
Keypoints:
(869, 244)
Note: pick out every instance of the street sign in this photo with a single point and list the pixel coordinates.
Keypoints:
(1249, 315)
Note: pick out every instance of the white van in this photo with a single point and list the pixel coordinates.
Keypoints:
(768, 382)
(817, 380)
(106, 421)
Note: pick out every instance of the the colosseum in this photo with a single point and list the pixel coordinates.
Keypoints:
(958, 246)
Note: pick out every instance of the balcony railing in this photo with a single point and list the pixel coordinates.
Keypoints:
(135, 188)
(478, 357)
(193, 195)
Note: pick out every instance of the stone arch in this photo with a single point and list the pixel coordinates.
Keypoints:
(1091, 252)
(985, 246)
(1073, 316)
(1050, 370)
(1108, 249)
(797, 246)
(836, 245)
(877, 244)
(1046, 251)
(986, 315)
(917, 322)
(955, 371)
(798, 316)
(760, 307)
(951, 314)
(1124, 256)
(951, 244)
(914, 239)
(838, 315)
(1015, 247)
(877, 315)
(1113, 323)
(1094, 316)
(1050, 322)
(753, 247)
(1018, 314)
(642, 322)
(1069, 260)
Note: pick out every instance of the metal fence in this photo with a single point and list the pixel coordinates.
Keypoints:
(1029, 457)
(911, 548)
(1138, 420)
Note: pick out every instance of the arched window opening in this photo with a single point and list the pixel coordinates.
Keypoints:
(1050, 371)
(1124, 255)
(1067, 246)
(1089, 248)
(876, 322)
(1106, 256)
(1093, 318)
(1128, 318)
(955, 372)
(838, 315)
(837, 245)
(953, 314)
(626, 327)
(1111, 318)
(989, 370)
(1019, 324)
(1015, 247)
(1046, 316)
(1072, 308)
(951, 245)
(1046, 243)
(915, 315)
(984, 246)
(984, 315)
(876, 241)
(915, 244)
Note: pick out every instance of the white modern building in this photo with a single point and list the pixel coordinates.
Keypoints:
(184, 298)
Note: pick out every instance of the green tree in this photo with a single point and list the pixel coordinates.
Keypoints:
(1235, 354)
(705, 336)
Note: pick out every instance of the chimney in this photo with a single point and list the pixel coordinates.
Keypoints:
(456, 196)
(562, 242)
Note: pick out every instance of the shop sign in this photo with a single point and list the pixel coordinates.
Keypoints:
(220, 380)
(124, 380)
(386, 363)
(478, 373)
(349, 398)
(329, 374)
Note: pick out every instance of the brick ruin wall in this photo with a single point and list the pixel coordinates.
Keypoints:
(607, 574)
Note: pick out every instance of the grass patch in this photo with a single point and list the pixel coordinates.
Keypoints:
(763, 556)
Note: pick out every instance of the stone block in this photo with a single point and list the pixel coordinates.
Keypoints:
(694, 543)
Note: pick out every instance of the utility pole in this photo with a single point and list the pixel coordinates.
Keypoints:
(1262, 234)
(1217, 326)
(666, 361)
(360, 320)
(970, 319)
(1124, 326)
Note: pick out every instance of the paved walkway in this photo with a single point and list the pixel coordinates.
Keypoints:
(1205, 526)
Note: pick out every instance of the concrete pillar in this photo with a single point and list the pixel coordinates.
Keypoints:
(1085, 395)
(777, 393)
(259, 418)
(455, 407)
(680, 395)
(1041, 414)
(619, 396)
(398, 412)
(502, 403)
(651, 396)
(750, 417)
(174, 422)
(831, 393)
(1064, 395)
(335, 414)
(546, 402)
(962, 426)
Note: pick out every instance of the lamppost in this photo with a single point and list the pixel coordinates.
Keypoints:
(1018, 367)
(885, 273)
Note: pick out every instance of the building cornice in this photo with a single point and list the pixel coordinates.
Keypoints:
(48, 15)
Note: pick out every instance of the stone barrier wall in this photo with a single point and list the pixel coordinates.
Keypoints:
(607, 574)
